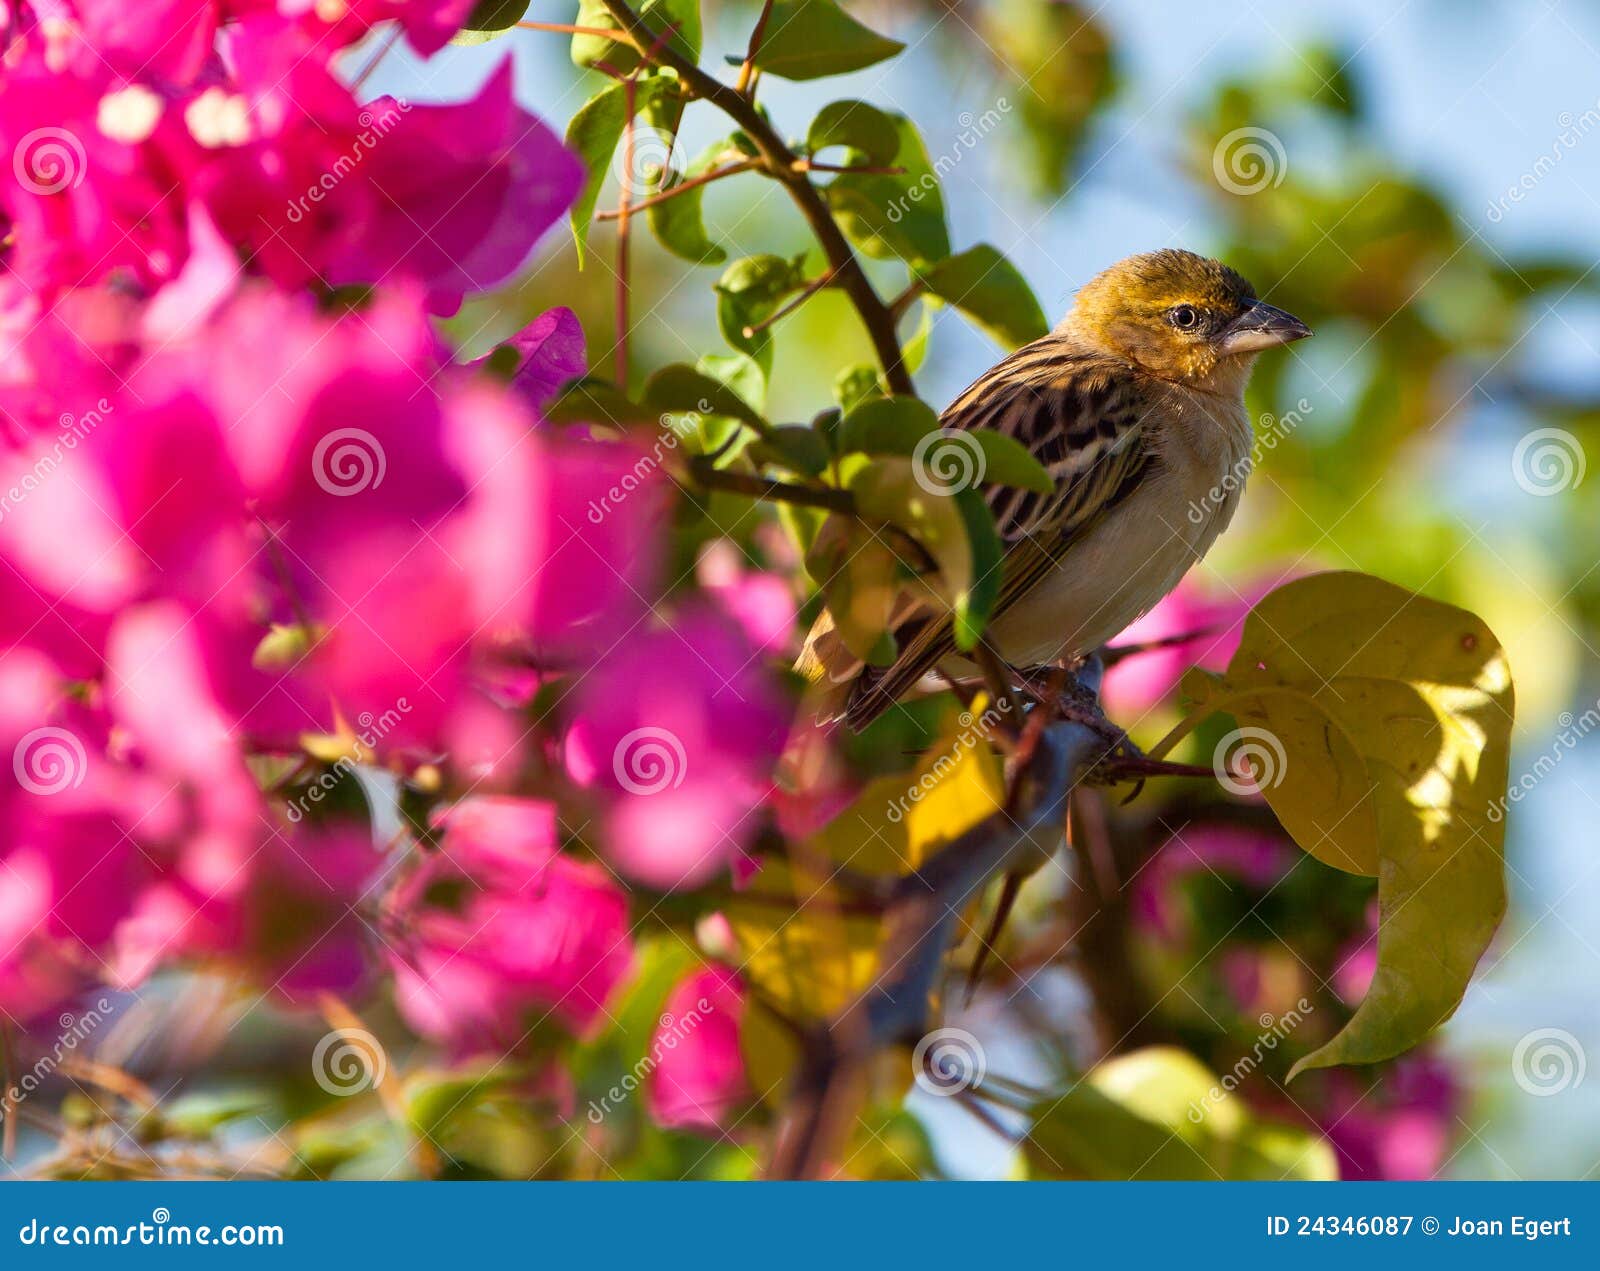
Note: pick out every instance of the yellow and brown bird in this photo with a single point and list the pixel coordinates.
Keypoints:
(1135, 406)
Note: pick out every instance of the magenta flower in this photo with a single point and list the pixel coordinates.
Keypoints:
(678, 729)
(498, 931)
(699, 1080)
(454, 196)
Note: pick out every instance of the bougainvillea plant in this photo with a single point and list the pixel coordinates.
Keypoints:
(431, 721)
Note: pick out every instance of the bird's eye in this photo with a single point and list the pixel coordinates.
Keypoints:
(1185, 317)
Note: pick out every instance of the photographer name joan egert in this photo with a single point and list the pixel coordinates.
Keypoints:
(1525, 1228)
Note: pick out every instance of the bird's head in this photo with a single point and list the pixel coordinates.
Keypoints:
(1180, 316)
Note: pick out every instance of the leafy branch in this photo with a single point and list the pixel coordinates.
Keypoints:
(780, 163)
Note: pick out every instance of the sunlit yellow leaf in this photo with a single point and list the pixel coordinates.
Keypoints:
(1377, 724)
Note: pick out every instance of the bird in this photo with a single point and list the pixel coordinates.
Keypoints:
(1134, 405)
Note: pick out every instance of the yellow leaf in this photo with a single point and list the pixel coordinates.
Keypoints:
(1377, 724)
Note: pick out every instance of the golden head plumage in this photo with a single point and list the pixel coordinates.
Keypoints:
(1176, 315)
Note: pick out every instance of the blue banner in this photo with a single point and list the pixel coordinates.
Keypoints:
(796, 1224)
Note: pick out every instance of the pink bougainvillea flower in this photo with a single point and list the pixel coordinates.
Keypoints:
(552, 350)
(455, 195)
(1400, 1127)
(678, 729)
(497, 930)
(1145, 680)
(763, 604)
(699, 1078)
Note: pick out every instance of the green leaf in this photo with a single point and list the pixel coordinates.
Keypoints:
(894, 491)
(886, 426)
(749, 291)
(1158, 1114)
(860, 581)
(593, 135)
(864, 129)
(740, 374)
(679, 222)
(682, 388)
(592, 400)
(683, 16)
(986, 287)
(1377, 723)
(1006, 461)
(915, 350)
(807, 39)
(855, 384)
(489, 20)
(895, 216)
(793, 446)
(973, 615)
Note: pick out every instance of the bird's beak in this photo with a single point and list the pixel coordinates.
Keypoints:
(1261, 326)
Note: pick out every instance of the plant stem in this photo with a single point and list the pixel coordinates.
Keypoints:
(806, 292)
(624, 208)
(779, 162)
(756, 487)
(683, 187)
(747, 70)
(565, 28)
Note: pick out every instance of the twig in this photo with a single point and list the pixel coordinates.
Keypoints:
(755, 487)
(683, 187)
(779, 162)
(811, 165)
(624, 209)
(747, 70)
(921, 922)
(565, 28)
(906, 298)
(784, 310)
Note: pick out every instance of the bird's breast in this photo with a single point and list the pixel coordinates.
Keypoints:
(1140, 550)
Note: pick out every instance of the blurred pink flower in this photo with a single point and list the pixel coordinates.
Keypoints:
(1145, 680)
(497, 930)
(679, 729)
(699, 1078)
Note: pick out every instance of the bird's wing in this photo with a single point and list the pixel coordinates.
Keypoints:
(1079, 415)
